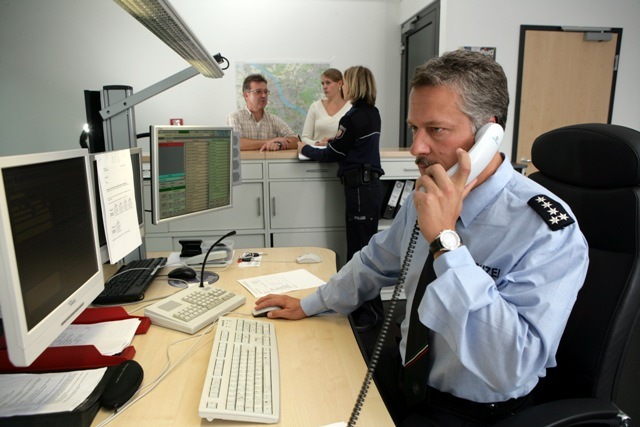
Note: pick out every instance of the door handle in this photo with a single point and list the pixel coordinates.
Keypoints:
(525, 160)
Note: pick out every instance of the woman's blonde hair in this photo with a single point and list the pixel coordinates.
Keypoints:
(360, 85)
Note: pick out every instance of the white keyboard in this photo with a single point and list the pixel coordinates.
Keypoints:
(242, 381)
(194, 308)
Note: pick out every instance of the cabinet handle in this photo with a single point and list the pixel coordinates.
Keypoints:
(317, 170)
(259, 199)
(410, 169)
(273, 206)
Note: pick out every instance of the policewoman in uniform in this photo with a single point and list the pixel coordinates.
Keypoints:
(356, 148)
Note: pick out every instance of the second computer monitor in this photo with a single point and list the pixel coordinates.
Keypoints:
(191, 170)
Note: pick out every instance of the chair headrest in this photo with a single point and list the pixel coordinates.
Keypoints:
(592, 155)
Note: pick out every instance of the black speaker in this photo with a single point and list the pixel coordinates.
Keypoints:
(236, 161)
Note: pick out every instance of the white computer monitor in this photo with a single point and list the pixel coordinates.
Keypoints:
(50, 268)
(191, 170)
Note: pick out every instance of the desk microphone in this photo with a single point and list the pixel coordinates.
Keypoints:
(204, 261)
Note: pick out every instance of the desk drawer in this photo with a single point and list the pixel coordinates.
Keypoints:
(302, 170)
(400, 169)
(252, 171)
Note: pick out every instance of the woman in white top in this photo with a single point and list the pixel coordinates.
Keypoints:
(324, 115)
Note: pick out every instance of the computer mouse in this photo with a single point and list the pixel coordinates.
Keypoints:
(183, 273)
(263, 311)
(308, 258)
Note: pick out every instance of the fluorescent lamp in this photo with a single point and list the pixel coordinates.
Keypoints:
(163, 21)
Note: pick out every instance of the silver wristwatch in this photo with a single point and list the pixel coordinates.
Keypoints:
(447, 240)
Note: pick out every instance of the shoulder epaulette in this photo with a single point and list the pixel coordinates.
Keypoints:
(551, 212)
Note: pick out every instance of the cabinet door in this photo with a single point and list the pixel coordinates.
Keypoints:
(400, 169)
(246, 213)
(307, 204)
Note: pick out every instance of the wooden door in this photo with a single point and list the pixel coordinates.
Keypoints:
(563, 79)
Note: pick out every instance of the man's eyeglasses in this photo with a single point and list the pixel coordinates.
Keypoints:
(260, 92)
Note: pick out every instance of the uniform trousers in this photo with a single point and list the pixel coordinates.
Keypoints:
(363, 203)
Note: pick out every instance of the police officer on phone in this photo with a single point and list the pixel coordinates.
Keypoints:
(491, 267)
(356, 148)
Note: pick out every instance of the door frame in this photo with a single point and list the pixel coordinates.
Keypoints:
(408, 28)
(518, 99)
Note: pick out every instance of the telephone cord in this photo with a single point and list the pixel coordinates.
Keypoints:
(377, 349)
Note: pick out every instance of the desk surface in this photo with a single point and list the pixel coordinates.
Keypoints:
(321, 366)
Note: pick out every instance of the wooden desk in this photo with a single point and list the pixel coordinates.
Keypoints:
(321, 367)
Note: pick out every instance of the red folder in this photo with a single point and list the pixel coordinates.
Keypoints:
(78, 357)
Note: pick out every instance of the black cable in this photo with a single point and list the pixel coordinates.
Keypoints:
(220, 60)
(204, 261)
(377, 349)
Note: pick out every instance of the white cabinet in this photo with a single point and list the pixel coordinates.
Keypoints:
(305, 195)
(281, 202)
(306, 206)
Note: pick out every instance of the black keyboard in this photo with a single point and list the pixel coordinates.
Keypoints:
(130, 282)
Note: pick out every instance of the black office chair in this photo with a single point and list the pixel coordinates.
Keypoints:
(595, 168)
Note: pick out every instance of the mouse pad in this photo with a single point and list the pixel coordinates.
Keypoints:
(209, 277)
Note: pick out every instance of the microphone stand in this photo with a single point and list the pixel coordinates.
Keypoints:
(204, 261)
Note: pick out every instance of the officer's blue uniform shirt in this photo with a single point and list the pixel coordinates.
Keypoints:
(499, 304)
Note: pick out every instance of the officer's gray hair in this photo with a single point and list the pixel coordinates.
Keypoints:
(478, 79)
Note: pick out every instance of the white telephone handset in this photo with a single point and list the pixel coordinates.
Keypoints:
(488, 140)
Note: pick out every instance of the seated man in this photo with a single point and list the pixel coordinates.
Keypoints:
(258, 129)
(501, 258)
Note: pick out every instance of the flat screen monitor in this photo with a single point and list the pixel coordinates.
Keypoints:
(191, 170)
(49, 256)
(93, 105)
(138, 182)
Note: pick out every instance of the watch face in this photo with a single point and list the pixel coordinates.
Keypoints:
(449, 240)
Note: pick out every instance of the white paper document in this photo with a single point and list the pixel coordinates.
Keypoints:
(30, 394)
(108, 337)
(303, 157)
(118, 200)
(281, 283)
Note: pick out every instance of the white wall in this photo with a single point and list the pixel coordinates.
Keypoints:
(496, 23)
(53, 50)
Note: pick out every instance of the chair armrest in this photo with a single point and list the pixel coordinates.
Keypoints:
(566, 413)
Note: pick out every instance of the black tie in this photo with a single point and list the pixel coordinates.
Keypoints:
(415, 366)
